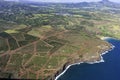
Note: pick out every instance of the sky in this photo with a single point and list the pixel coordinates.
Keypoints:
(74, 1)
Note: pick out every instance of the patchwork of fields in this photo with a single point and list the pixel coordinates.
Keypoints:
(28, 57)
(38, 40)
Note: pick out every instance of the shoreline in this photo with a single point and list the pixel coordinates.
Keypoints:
(94, 62)
(105, 38)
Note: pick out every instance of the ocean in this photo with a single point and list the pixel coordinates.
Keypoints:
(107, 70)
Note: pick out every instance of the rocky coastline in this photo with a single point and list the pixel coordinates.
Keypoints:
(98, 59)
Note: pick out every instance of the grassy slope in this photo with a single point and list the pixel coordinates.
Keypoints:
(43, 58)
(61, 39)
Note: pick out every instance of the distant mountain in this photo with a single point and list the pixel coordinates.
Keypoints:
(103, 3)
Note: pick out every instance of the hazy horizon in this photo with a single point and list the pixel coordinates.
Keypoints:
(64, 1)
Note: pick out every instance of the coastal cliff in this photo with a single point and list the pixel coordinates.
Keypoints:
(48, 57)
(92, 59)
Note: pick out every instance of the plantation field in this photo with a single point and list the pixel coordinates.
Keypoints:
(38, 40)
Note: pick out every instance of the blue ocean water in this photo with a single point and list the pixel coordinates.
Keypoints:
(108, 70)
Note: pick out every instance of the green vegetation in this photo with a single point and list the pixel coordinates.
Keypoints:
(36, 40)
(38, 61)
(43, 47)
(11, 31)
(3, 61)
(18, 37)
(16, 61)
(3, 45)
(13, 44)
(56, 45)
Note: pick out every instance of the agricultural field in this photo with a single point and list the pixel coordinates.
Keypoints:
(37, 40)
(38, 58)
(5, 47)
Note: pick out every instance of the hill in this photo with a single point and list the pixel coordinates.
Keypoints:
(38, 40)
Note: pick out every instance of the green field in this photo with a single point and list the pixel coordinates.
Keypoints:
(37, 40)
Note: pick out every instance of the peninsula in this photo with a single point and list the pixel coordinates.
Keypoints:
(39, 40)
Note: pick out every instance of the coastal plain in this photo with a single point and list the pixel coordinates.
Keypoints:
(38, 41)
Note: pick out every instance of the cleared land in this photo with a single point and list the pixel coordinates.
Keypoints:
(37, 41)
(30, 57)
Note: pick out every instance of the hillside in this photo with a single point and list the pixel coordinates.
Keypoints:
(27, 57)
(38, 40)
